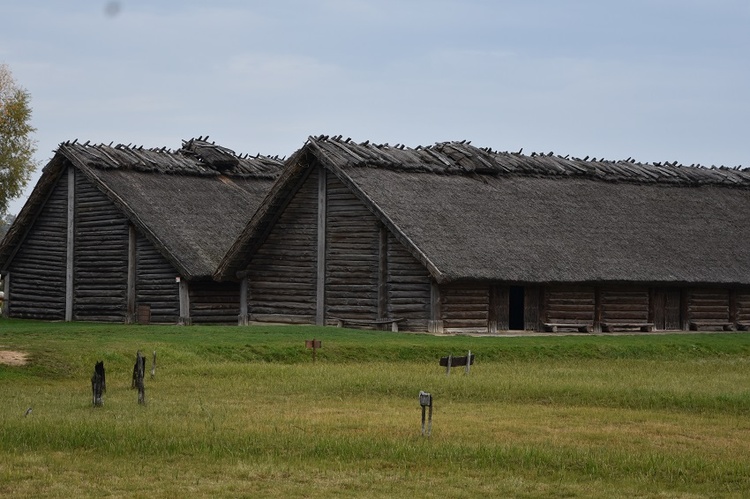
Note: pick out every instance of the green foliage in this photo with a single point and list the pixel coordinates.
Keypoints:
(16, 144)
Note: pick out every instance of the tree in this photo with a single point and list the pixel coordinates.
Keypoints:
(17, 147)
(5, 223)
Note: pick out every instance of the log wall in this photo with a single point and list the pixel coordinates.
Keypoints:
(282, 274)
(624, 305)
(569, 305)
(742, 301)
(465, 306)
(708, 305)
(101, 256)
(214, 302)
(37, 271)
(156, 286)
(352, 256)
(408, 287)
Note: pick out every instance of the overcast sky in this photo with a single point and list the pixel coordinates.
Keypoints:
(656, 80)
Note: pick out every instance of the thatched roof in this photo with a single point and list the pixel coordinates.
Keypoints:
(475, 214)
(192, 203)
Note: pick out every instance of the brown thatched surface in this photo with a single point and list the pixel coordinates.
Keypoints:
(476, 214)
(188, 202)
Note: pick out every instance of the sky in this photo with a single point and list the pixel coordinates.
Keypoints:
(653, 80)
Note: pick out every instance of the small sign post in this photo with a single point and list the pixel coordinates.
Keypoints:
(451, 361)
(425, 400)
(314, 344)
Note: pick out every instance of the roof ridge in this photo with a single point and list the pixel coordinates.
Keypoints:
(462, 158)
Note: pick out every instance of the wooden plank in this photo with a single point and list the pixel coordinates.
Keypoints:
(321, 249)
(70, 257)
(132, 277)
(184, 291)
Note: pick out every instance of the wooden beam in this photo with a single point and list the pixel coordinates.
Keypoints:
(598, 309)
(383, 273)
(243, 319)
(70, 248)
(320, 294)
(130, 317)
(6, 292)
(184, 290)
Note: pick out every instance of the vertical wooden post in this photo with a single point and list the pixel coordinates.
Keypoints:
(243, 319)
(733, 308)
(685, 309)
(468, 363)
(383, 274)
(597, 310)
(435, 324)
(130, 317)
(494, 310)
(320, 305)
(184, 291)
(70, 246)
(448, 366)
(6, 292)
(153, 366)
(138, 374)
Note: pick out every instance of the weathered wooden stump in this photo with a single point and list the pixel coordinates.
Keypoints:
(98, 384)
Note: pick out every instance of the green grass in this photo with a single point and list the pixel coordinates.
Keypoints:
(244, 412)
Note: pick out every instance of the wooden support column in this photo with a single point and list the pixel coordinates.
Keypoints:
(494, 310)
(733, 308)
(598, 310)
(6, 292)
(184, 290)
(320, 292)
(684, 309)
(130, 317)
(243, 319)
(435, 324)
(383, 274)
(70, 248)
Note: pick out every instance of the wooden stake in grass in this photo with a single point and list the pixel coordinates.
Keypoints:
(138, 373)
(425, 400)
(314, 344)
(153, 366)
(98, 384)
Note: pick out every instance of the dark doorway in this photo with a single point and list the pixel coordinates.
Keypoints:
(515, 308)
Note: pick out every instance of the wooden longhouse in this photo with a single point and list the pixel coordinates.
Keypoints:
(452, 237)
(126, 234)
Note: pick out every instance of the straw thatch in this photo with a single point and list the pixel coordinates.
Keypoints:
(473, 214)
(191, 203)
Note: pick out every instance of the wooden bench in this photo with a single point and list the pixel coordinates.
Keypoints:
(712, 325)
(377, 323)
(553, 327)
(609, 327)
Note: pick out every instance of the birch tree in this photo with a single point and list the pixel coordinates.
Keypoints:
(17, 147)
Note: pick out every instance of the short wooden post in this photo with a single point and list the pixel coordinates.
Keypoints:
(425, 400)
(138, 373)
(448, 367)
(314, 344)
(98, 384)
(153, 366)
(468, 362)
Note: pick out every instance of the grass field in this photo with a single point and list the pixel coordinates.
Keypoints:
(238, 412)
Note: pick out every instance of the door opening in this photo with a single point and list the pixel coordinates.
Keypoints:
(516, 308)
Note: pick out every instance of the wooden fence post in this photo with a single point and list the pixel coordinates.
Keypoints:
(138, 373)
(98, 384)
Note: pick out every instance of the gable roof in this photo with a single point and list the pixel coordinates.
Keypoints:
(191, 203)
(469, 213)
